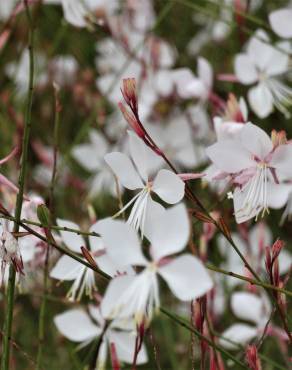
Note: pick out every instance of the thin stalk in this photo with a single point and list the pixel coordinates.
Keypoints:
(42, 316)
(19, 200)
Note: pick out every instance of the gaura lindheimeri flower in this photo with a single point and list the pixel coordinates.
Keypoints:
(248, 307)
(138, 295)
(253, 161)
(252, 308)
(265, 65)
(135, 175)
(79, 326)
(67, 269)
(280, 21)
(9, 250)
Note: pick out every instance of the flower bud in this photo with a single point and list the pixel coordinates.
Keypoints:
(129, 92)
(252, 358)
(132, 121)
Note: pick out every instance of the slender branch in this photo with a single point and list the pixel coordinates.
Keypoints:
(19, 199)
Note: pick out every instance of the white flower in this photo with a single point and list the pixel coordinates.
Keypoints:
(138, 296)
(79, 326)
(264, 65)
(253, 249)
(67, 269)
(9, 250)
(167, 185)
(248, 307)
(253, 161)
(280, 21)
(91, 157)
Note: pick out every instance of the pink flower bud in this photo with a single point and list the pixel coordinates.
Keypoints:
(252, 358)
(132, 121)
(129, 92)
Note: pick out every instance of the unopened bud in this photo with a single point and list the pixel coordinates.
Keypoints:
(129, 92)
(132, 121)
(278, 138)
(252, 358)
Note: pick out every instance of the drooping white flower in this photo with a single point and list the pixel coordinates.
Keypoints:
(264, 65)
(138, 296)
(135, 175)
(79, 326)
(280, 21)
(253, 161)
(67, 269)
(248, 307)
(91, 157)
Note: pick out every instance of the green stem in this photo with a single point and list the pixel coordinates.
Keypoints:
(42, 316)
(19, 200)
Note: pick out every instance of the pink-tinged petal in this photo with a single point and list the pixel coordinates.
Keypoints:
(245, 69)
(186, 277)
(255, 140)
(168, 186)
(229, 156)
(281, 161)
(9, 156)
(205, 72)
(169, 232)
(142, 156)
(190, 176)
(121, 241)
(280, 21)
(66, 268)
(248, 306)
(4, 181)
(72, 241)
(261, 100)
(76, 325)
(124, 170)
(125, 347)
(240, 334)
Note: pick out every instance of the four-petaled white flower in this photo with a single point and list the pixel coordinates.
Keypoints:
(265, 65)
(138, 295)
(167, 185)
(253, 161)
(79, 326)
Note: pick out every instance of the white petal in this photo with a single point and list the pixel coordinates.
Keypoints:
(285, 261)
(240, 334)
(125, 347)
(280, 21)
(247, 306)
(281, 160)
(259, 51)
(186, 277)
(66, 269)
(76, 325)
(279, 61)
(168, 186)
(123, 168)
(141, 155)
(255, 140)
(205, 72)
(260, 100)
(278, 195)
(239, 202)
(121, 241)
(245, 69)
(86, 156)
(72, 240)
(229, 156)
(260, 236)
(169, 232)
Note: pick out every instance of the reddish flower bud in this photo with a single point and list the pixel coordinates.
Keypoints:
(278, 138)
(276, 249)
(129, 92)
(132, 121)
(252, 358)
